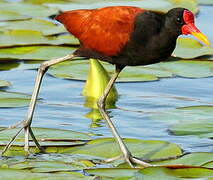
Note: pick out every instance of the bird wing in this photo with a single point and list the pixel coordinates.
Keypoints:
(105, 30)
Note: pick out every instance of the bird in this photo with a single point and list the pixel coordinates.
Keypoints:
(122, 36)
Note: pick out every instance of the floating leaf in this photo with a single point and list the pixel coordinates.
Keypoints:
(107, 148)
(35, 52)
(30, 37)
(189, 68)
(110, 173)
(44, 26)
(205, 2)
(208, 165)
(159, 5)
(48, 137)
(46, 165)
(79, 69)
(202, 128)
(193, 159)
(192, 5)
(4, 83)
(13, 99)
(160, 173)
(42, 162)
(8, 65)
(184, 68)
(198, 109)
(189, 48)
(9, 174)
(28, 9)
(11, 15)
(185, 115)
(46, 1)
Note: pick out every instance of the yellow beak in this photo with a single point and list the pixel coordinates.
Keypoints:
(193, 30)
(200, 36)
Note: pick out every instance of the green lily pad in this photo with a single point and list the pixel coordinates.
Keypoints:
(8, 65)
(25, 9)
(205, 2)
(208, 165)
(189, 68)
(107, 148)
(54, 140)
(159, 5)
(30, 37)
(44, 26)
(185, 115)
(47, 137)
(160, 173)
(185, 68)
(192, 5)
(35, 52)
(13, 99)
(46, 1)
(199, 109)
(202, 128)
(46, 163)
(78, 70)
(9, 174)
(110, 173)
(193, 159)
(4, 83)
(47, 166)
(11, 15)
(188, 48)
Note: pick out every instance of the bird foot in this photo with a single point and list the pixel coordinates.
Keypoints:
(130, 160)
(26, 147)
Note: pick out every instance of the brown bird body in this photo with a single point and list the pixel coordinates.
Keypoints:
(99, 33)
(125, 35)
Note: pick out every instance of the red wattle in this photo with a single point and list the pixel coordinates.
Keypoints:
(188, 17)
(189, 28)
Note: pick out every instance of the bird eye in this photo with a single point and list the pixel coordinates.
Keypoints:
(179, 20)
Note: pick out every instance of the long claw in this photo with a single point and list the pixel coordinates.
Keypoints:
(140, 162)
(11, 141)
(112, 159)
(35, 141)
(130, 160)
(13, 126)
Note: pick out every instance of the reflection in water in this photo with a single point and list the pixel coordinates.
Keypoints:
(96, 118)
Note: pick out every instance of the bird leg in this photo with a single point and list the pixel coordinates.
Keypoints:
(101, 105)
(26, 124)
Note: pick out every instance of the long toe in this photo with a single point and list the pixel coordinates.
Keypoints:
(11, 141)
(130, 160)
(135, 160)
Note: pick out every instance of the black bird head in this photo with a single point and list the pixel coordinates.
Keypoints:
(182, 21)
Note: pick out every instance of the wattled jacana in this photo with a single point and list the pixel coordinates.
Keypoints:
(120, 35)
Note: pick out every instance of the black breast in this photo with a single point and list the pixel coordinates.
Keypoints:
(149, 43)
